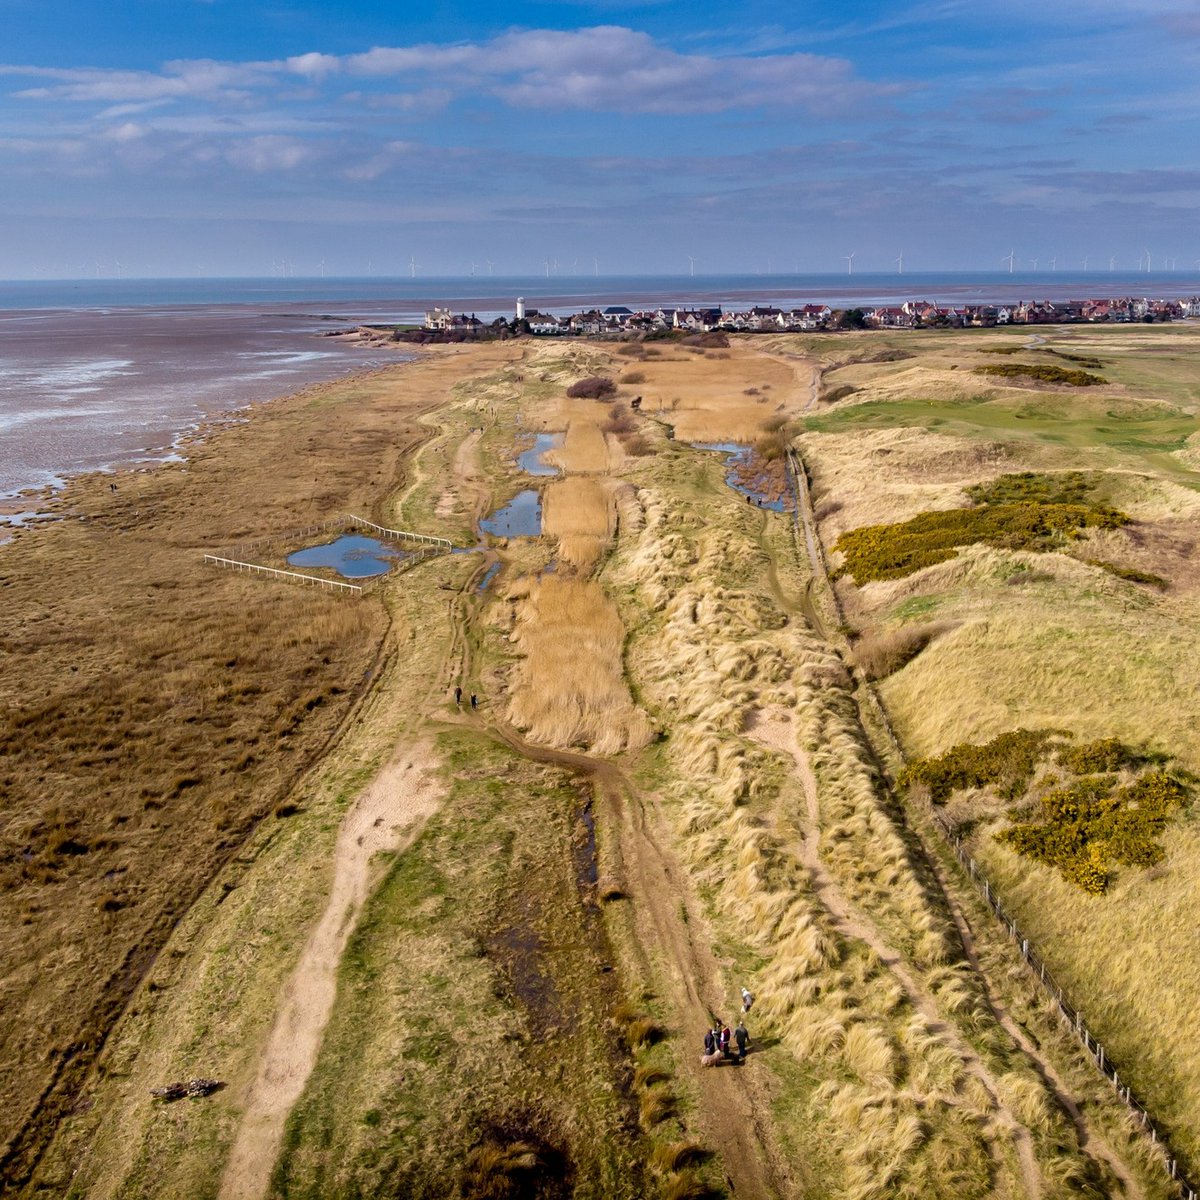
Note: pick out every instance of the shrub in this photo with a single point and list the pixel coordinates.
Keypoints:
(1103, 755)
(634, 377)
(884, 653)
(1042, 373)
(1090, 826)
(594, 387)
(1130, 574)
(893, 551)
(1065, 487)
(1007, 761)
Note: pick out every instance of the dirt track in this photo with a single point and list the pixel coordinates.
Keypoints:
(385, 816)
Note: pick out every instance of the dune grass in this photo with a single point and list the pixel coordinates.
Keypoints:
(881, 1104)
(1056, 643)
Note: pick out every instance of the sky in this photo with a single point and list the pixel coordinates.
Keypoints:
(232, 137)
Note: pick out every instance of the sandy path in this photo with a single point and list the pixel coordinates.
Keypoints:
(386, 815)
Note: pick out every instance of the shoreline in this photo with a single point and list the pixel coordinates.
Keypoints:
(196, 428)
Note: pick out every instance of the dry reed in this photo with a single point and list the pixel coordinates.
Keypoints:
(569, 689)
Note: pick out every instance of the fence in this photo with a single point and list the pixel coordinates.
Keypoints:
(341, 521)
(234, 564)
(1067, 1013)
(235, 557)
(1033, 960)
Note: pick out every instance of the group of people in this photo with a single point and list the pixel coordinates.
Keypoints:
(717, 1039)
(458, 695)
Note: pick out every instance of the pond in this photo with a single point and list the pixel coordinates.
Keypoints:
(530, 461)
(353, 556)
(736, 456)
(520, 517)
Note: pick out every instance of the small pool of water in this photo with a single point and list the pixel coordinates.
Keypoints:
(488, 576)
(353, 556)
(530, 461)
(736, 455)
(520, 517)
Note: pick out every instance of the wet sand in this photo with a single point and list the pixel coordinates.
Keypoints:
(86, 390)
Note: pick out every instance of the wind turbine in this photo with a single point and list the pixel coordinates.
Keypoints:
(1147, 262)
(547, 268)
(1011, 259)
(1054, 263)
(692, 265)
(473, 267)
(489, 266)
(412, 266)
(850, 262)
(1085, 262)
(321, 268)
(1112, 263)
(899, 263)
(1034, 262)
(595, 266)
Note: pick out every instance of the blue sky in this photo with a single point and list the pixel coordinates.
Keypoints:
(181, 137)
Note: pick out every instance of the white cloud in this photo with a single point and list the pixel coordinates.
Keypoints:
(604, 68)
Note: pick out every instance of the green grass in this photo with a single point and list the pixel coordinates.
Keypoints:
(1067, 421)
(471, 1014)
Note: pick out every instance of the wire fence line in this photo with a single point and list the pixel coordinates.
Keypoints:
(1067, 1013)
(237, 557)
(234, 564)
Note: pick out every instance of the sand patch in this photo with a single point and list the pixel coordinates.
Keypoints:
(386, 816)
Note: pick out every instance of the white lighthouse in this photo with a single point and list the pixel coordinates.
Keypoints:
(520, 308)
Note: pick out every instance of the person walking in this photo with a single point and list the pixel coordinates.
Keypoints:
(747, 1001)
(474, 702)
(710, 1042)
(458, 695)
(741, 1035)
(724, 1039)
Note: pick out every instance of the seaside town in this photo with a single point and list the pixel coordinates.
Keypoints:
(619, 319)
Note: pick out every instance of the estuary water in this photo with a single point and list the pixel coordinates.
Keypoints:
(102, 371)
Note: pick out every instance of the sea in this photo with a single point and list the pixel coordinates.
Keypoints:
(96, 373)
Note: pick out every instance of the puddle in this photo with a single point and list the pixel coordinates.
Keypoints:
(489, 575)
(353, 556)
(520, 517)
(530, 461)
(737, 456)
(19, 519)
(587, 867)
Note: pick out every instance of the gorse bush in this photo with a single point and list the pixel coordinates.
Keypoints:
(1015, 512)
(1100, 757)
(1006, 762)
(1092, 825)
(1084, 827)
(1043, 373)
(1065, 487)
(893, 551)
